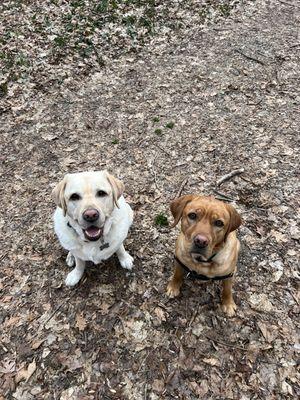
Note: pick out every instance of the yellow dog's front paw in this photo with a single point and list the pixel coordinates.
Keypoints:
(229, 308)
(173, 290)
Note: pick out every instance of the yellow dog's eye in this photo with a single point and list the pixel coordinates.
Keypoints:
(74, 197)
(219, 223)
(101, 193)
(192, 216)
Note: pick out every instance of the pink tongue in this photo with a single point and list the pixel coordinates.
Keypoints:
(93, 231)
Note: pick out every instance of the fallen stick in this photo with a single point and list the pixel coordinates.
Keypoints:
(250, 57)
(222, 196)
(154, 174)
(286, 3)
(183, 183)
(229, 176)
(162, 149)
(233, 346)
(295, 45)
(57, 308)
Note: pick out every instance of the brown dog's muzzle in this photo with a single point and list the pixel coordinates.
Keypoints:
(200, 247)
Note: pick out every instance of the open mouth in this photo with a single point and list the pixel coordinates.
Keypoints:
(92, 233)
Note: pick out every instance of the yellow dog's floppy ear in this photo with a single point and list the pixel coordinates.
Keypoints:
(235, 219)
(117, 186)
(178, 205)
(58, 194)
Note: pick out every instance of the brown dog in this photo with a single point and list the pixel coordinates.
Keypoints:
(207, 247)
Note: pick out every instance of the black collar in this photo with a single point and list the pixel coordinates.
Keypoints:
(194, 275)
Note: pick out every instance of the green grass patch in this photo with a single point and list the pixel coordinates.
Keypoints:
(161, 220)
(3, 89)
(158, 131)
(170, 125)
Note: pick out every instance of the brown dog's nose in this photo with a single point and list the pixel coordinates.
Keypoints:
(201, 241)
(90, 215)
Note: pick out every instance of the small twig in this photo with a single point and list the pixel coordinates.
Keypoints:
(223, 199)
(295, 45)
(254, 104)
(226, 344)
(286, 3)
(143, 362)
(229, 176)
(183, 183)
(250, 57)
(194, 316)
(99, 58)
(3, 256)
(53, 313)
(154, 173)
(223, 196)
(59, 307)
(141, 141)
(248, 180)
(162, 149)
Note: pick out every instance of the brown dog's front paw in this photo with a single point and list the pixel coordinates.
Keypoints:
(229, 308)
(173, 290)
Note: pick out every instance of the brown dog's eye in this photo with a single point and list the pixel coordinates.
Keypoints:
(101, 193)
(219, 223)
(74, 197)
(192, 216)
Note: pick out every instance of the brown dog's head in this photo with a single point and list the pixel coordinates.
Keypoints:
(205, 223)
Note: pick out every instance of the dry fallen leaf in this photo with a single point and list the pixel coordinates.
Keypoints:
(260, 302)
(160, 314)
(31, 369)
(70, 362)
(26, 372)
(158, 385)
(212, 361)
(12, 321)
(269, 331)
(49, 137)
(7, 366)
(36, 343)
(80, 322)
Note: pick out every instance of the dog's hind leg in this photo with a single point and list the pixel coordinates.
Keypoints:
(75, 275)
(125, 258)
(70, 260)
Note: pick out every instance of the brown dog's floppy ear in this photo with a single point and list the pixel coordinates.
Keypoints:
(58, 194)
(117, 188)
(178, 205)
(235, 219)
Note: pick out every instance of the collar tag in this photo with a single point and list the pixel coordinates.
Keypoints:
(104, 246)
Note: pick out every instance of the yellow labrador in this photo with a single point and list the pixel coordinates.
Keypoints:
(91, 220)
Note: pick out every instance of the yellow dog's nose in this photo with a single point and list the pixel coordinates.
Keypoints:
(90, 215)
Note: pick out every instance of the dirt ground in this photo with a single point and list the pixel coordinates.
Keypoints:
(188, 106)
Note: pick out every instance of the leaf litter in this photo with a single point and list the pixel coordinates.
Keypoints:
(225, 74)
